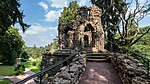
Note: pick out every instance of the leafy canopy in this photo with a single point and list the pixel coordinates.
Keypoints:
(10, 14)
(11, 45)
(69, 13)
(119, 17)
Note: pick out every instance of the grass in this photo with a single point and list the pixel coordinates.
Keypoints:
(5, 81)
(7, 70)
(31, 67)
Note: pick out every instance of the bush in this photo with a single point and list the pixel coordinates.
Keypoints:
(24, 56)
(33, 63)
(5, 81)
(19, 69)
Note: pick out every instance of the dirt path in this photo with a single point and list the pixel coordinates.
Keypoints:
(16, 79)
(100, 73)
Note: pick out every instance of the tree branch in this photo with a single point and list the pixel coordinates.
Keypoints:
(140, 37)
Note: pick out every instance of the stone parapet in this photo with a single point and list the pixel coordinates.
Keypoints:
(131, 71)
(69, 74)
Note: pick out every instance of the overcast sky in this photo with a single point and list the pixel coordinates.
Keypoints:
(43, 17)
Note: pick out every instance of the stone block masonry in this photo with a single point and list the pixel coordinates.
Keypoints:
(69, 74)
(131, 71)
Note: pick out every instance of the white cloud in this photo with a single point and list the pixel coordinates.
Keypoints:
(39, 35)
(52, 35)
(58, 3)
(52, 28)
(52, 15)
(34, 29)
(82, 2)
(43, 5)
(142, 2)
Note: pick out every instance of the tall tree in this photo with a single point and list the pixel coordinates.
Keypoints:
(69, 13)
(10, 14)
(111, 10)
(118, 16)
(11, 45)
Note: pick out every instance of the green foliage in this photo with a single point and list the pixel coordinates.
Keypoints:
(34, 52)
(145, 40)
(33, 63)
(5, 81)
(69, 13)
(35, 55)
(38, 62)
(53, 45)
(10, 14)
(143, 45)
(32, 68)
(144, 29)
(118, 18)
(7, 70)
(24, 56)
(19, 69)
(11, 44)
(142, 49)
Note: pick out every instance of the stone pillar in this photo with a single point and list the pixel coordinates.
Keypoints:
(70, 39)
(82, 40)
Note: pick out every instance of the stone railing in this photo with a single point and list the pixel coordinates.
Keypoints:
(131, 71)
(69, 74)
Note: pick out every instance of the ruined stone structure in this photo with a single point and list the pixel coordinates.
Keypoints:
(86, 33)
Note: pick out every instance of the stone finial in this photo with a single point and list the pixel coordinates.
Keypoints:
(94, 11)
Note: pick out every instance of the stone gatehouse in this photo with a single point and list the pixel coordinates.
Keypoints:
(86, 33)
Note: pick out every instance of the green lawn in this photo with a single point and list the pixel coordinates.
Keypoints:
(32, 68)
(7, 70)
(5, 81)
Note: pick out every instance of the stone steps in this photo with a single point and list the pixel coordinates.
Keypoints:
(97, 57)
(97, 60)
(97, 54)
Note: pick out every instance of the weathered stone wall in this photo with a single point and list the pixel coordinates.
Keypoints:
(69, 74)
(85, 32)
(131, 71)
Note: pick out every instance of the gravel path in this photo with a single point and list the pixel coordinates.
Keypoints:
(100, 73)
(16, 79)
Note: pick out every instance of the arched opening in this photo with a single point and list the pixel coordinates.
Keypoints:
(86, 41)
(88, 28)
(89, 40)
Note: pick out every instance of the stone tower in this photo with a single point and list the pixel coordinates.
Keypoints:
(88, 33)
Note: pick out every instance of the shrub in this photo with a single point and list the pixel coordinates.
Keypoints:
(19, 69)
(24, 56)
(5, 81)
(33, 63)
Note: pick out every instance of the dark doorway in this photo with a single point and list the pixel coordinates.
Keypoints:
(86, 41)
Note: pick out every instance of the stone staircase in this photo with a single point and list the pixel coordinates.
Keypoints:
(97, 57)
(91, 50)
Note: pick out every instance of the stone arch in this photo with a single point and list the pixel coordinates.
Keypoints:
(86, 25)
(89, 27)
